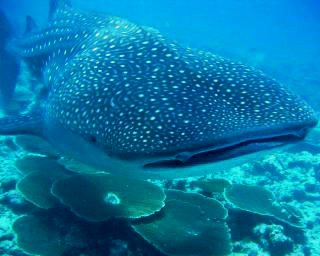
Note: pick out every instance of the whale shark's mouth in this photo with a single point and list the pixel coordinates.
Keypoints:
(226, 152)
(229, 150)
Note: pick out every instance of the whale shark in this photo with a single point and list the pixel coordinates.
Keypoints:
(126, 97)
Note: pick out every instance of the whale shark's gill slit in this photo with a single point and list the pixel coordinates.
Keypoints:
(225, 153)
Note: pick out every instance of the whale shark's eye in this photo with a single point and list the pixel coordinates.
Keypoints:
(93, 139)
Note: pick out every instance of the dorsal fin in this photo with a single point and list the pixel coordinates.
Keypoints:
(54, 5)
(30, 25)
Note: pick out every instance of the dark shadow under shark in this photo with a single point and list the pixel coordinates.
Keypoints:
(126, 99)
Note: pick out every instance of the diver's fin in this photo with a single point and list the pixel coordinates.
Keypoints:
(54, 5)
(30, 25)
(30, 123)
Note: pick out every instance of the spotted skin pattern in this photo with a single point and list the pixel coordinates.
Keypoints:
(137, 93)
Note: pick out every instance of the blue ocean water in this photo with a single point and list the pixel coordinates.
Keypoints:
(281, 38)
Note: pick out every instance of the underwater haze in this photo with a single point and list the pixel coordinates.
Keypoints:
(159, 127)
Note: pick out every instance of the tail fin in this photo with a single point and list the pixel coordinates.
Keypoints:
(30, 123)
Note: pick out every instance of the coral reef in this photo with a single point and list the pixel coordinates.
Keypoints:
(37, 236)
(272, 239)
(103, 196)
(192, 232)
(36, 188)
(259, 200)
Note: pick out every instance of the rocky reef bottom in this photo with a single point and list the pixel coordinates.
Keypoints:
(268, 205)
